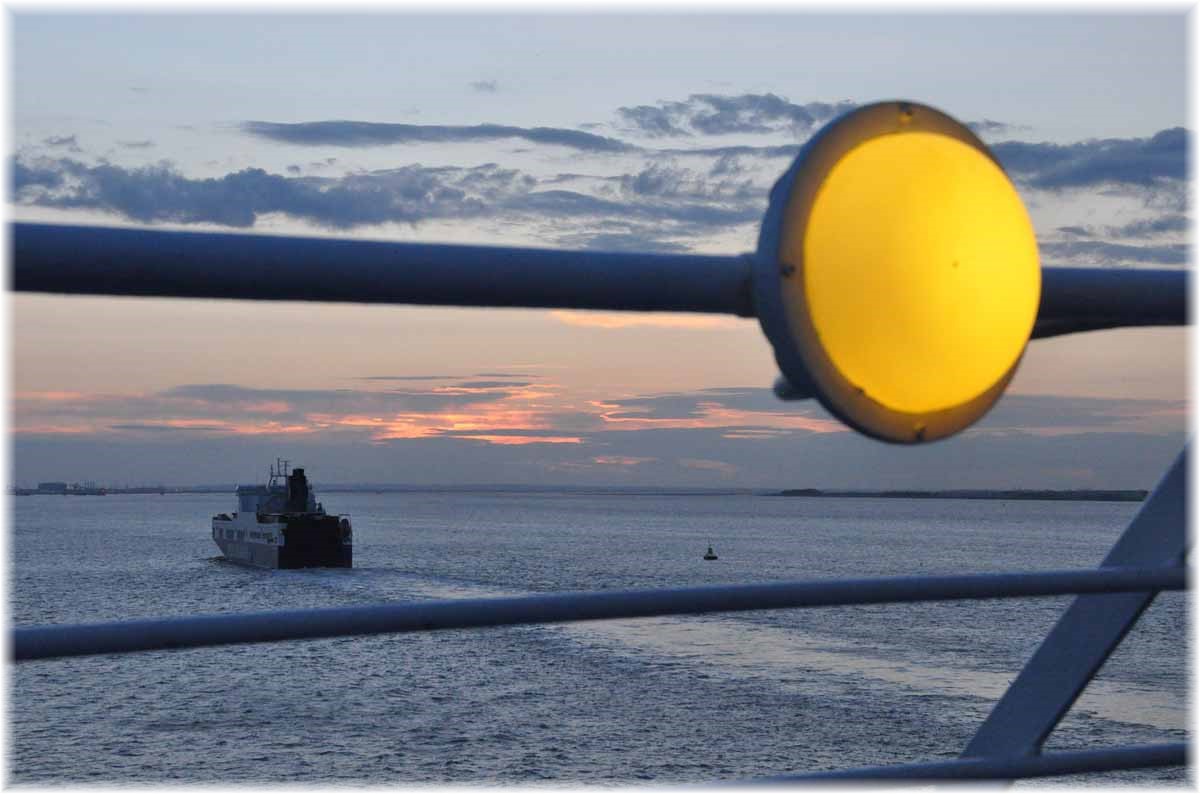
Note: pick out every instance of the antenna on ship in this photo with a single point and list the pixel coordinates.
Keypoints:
(279, 469)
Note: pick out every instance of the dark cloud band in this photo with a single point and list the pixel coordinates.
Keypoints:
(716, 114)
(365, 133)
(678, 201)
(1091, 251)
(1143, 162)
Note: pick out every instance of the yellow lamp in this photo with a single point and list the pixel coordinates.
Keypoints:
(898, 276)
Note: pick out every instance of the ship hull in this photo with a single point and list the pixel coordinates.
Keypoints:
(297, 541)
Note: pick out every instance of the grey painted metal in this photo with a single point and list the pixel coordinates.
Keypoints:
(1064, 763)
(118, 261)
(43, 642)
(90, 260)
(1091, 628)
(1089, 299)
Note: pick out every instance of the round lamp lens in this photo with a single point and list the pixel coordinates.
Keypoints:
(919, 268)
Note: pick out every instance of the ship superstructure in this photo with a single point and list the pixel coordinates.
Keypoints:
(282, 525)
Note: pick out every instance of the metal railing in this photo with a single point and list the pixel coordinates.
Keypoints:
(1148, 557)
(85, 260)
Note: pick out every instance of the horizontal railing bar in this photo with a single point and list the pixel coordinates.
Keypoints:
(1095, 298)
(44, 642)
(1048, 765)
(96, 260)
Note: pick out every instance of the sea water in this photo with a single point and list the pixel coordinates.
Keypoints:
(668, 700)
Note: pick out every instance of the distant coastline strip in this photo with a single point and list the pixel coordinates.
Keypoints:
(1025, 494)
(46, 642)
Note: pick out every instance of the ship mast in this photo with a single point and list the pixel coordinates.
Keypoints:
(279, 469)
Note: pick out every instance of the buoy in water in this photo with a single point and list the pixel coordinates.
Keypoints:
(710, 554)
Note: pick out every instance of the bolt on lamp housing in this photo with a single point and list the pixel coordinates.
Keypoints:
(897, 273)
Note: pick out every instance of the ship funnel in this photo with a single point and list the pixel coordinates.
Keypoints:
(897, 273)
(297, 492)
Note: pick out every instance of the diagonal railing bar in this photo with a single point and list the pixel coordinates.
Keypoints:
(45, 642)
(1089, 631)
(1108, 759)
(93, 260)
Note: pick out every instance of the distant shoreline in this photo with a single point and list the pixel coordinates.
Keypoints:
(1026, 494)
(1018, 494)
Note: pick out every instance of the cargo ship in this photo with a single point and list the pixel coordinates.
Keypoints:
(282, 525)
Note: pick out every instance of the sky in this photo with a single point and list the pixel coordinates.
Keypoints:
(617, 131)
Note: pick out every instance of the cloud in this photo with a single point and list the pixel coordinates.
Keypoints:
(709, 412)
(1171, 223)
(515, 440)
(464, 407)
(652, 121)
(670, 200)
(685, 405)
(159, 193)
(63, 142)
(721, 436)
(709, 465)
(409, 194)
(491, 384)
(788, 151)
(646, 232)
(1040, 413)
(715, 114)
(1097, 252)
(41, 175)
(657, 179)
(172, 428)
(727, 165)
(484, 86)
(1098, 459)
(698, 115)
(238, 407)
(513, 412)
(1166, 224)
(666, 180)
(505, 411)
(302, 402)
(991, 127)
(366, 133)
(50, 396)
(528, 377)
(408, 377)
(620, 460)
(1141, 162)
(691, 213)
(1086, 242)
(471, 408)
(647, 241)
